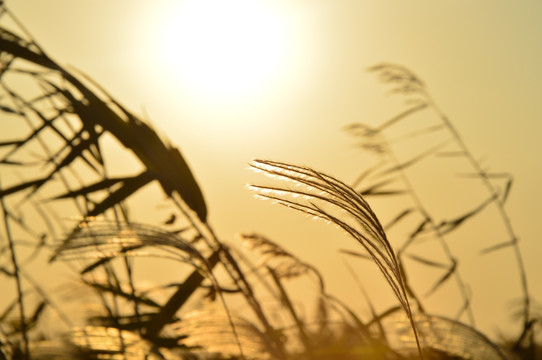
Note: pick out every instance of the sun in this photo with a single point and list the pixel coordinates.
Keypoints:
(222, 48)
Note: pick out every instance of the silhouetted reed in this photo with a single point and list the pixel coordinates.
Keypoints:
(60, 120)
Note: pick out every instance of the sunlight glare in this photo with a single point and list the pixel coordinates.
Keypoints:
(223, 48)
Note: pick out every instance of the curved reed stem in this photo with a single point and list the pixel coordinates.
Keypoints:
(17, 275)
(497, 200)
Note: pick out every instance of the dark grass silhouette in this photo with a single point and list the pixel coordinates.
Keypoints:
(53, 161)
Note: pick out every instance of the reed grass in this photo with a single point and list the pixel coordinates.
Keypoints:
(318, 191)
(67, 116)
(407, 84)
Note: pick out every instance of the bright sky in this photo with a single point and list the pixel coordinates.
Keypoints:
(230, 81)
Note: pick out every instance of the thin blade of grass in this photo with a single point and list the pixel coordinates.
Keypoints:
(398, 218)
(287, 302)
(117, 291)
(371, 170)
(23, 186)
(448, 226)
(402, 116)
(86, 190)
(498, 247)
(18, 47)
(422, 227)
(375, 189)
(178, 299)
(427, 262)
(451, 270)
(76, 152)
(417, 158)
(34, 318)
(129, 187)
(356, 254)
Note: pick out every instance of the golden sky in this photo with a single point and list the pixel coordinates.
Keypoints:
(294, 76)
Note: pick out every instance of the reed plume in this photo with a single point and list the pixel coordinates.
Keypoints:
(324, 197)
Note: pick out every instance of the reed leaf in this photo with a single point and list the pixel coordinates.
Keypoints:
(128, 188)
(416, 159)
(447, 226)
(498, 246)
(178, 299)
(356, 254)
(398, 218)
(376, 189)
(22, 186)
(107, 287)
(156, 155)
(87, 190)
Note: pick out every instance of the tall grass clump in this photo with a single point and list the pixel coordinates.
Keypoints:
(439, 145)
(62, 205)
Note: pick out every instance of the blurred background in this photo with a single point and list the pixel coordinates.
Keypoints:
(231, 81)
